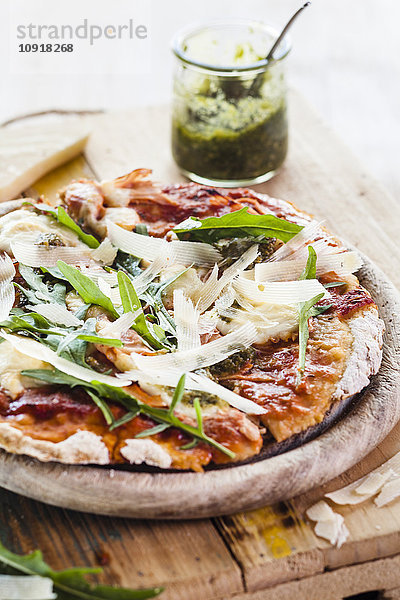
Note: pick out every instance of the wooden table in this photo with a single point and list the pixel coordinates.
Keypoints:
(272, 552)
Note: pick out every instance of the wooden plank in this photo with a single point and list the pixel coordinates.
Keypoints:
(188, 558)
(340, 584)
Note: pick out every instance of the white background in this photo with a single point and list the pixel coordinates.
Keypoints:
(345, 60)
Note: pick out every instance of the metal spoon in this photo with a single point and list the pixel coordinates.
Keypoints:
(255, 87)
(284, 31)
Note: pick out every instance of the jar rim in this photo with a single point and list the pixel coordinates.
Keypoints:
(260, 65)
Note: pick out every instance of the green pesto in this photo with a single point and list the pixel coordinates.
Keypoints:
(233, 364)
(225, 140)
(234, 248)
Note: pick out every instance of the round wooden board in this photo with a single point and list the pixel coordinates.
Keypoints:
(223, 491)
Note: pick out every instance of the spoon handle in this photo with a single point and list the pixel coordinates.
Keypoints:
(285, 30)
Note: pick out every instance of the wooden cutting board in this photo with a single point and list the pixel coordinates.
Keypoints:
(233, 557)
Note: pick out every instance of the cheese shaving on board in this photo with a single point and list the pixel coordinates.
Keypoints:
(26, 587)
(147, 247)
(364, 488)
(279, 292)
(329, 524)
(343, 263)
(198, 358)
(389, 492)
(186, 318)
(7, 290)
(37, 350)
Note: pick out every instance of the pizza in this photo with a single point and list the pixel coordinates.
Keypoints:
(174, 326)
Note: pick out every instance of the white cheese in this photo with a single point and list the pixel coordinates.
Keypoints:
(12, 363)
(28, 153)
(146, 451)
(329, 524)
(26, 587)
(26, 225)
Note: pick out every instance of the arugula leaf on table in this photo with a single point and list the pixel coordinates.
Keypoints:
(131, 303)
(70, 584)
(86, 288)
(63, 217)
(239, 223)
(132, 404)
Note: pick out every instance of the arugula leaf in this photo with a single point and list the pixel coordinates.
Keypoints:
(132, 404)
(86, 288)
(153, 430)
(131, 303)
(103, 406)
(239, 223)
(127, 263)
(71, 583)
(40, 291)
(178, 394)
(304, 333)
(63, 217)
(310, 270)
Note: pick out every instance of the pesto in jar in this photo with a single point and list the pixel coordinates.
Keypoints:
(230, 140)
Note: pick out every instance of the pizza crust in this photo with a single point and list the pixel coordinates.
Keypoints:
(366, 353)
(146, 451)
(83, 447)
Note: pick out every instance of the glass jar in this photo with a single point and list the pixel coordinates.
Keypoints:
(229, 115)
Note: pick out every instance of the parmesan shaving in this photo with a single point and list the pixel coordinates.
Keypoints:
(343, 264)
(329, 524)
(116, 329)
(214, 286)
(389, 492)
(26, 587)
(142, 281)
(364, 488)
(39, 351)
(7, 290)
(33, 255)
(277, 292)
(149, 248)
(297, 243)
(186, 318)
(105, 253)
(197, 358)
(57, 314)
(110, 292)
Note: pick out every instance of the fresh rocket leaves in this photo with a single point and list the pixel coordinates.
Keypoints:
(86, 288)
(70, 584)
(64, 219)
(310, 270)
(39, 291)
(131, 303)
(307, 310)
(133, 405)
(305, 314)
(236, 224)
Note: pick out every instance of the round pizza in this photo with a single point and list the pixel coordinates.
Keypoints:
(175, 327)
